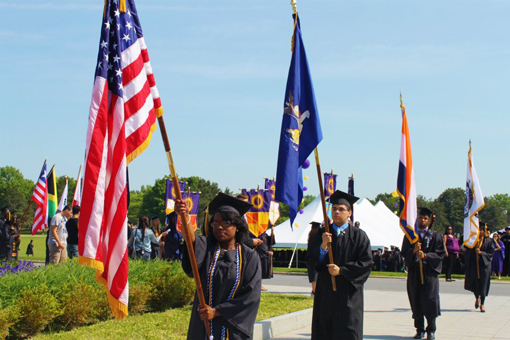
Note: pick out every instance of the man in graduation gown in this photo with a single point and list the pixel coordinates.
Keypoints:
(484, 249)
(339, 314)
(424, 298)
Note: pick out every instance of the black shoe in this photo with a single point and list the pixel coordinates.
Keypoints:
(419, 335)
(431, 335)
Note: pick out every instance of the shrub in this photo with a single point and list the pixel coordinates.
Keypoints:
(170, 288)
(7, 319)
(76, 305)
(138, 297)
(100, 303)
(35, 309)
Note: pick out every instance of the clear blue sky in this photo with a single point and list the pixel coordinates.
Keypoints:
(221, 69)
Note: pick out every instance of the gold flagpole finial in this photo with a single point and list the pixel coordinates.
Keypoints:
(401, 100)
(293, 3)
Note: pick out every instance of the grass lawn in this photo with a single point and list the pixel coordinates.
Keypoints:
(173, 324)
(39, 247)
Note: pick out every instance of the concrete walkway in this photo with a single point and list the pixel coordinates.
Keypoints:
(388, 316)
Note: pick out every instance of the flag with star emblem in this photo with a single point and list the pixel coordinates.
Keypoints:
(40, 198)
(301, 130)
(124, 107)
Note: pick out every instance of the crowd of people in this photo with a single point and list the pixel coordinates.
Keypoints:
(231, 264)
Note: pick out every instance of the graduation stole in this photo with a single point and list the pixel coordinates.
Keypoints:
(210, 276)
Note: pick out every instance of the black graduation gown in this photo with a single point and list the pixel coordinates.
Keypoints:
(173, 245)
(265, 260)
(479, 286)
(424, 299)
(310, 258)
(339, 315)
(506, 262)
(237, 315)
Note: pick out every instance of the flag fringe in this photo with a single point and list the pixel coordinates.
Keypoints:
(159, 112)
(139, 150)
(119, 310)
(92, 263)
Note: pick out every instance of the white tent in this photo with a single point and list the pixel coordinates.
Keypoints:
(380, 224)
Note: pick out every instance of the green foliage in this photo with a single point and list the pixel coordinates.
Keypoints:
(35, 308)
(71, 186)
(15, 192)
(135, 205)
(8, 317)
(171, 288)
(173, 324)
(78, 306)
(285, 211)
(452, 201)
(138, 297)
(153, 202)
(66, 296)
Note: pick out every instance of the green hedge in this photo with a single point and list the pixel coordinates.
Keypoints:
(66, 296)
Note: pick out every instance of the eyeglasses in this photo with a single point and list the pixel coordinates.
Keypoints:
(224, 224)
(340, 209)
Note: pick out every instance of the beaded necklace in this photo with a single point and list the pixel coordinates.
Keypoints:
(210, 276)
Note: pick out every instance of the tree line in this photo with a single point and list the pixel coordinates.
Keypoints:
(16, 192)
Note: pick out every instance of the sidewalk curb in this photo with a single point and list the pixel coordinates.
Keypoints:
(282, 324)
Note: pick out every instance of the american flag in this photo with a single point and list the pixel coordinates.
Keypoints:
(122, 117)
(40, 198)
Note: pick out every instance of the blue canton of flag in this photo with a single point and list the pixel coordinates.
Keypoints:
(301, 131)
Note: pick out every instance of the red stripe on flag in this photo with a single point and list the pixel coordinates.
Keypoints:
(135, 103)
(131, 71)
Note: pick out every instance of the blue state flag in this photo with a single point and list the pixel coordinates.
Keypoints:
(301, 130)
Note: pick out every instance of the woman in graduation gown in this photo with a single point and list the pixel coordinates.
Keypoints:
(229, 272)
(479, 286)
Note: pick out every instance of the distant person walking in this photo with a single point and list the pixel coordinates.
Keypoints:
(478, 269)
(499, 256)
(30, 248)
(452, 252)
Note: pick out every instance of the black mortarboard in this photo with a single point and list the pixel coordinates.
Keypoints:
(340, 197)
(423, 211)
(5, 208)
(223, 202)
(154, 217)
(507, 228)
(315, 224)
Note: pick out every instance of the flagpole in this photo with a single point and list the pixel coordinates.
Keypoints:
(184, 220)
(324, 212)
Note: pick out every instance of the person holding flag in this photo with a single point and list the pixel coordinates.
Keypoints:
(478, 248)
(229, 270)
(423, 248)
(338, 315)
(478, 268)
(424, 261)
